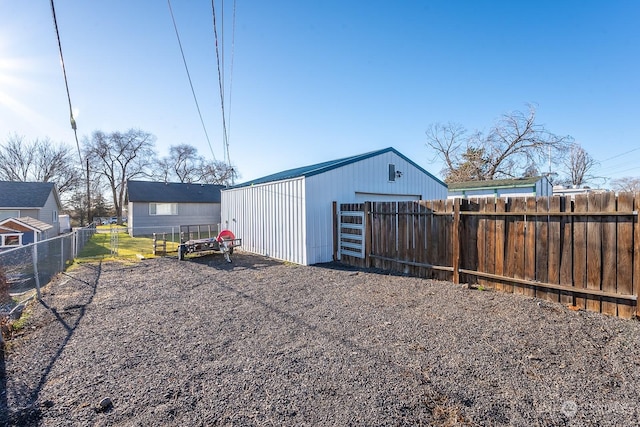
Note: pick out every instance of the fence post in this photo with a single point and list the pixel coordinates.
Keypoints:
(366, 229)
(334, 215)
(34, 256)
(62, 253)
(455, 237)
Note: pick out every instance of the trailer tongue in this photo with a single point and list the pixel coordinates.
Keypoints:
(224, 242)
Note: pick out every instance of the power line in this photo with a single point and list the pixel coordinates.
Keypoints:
(220, 83)
(73, 120)
(620, 155)
(66, 83)
(195, 98)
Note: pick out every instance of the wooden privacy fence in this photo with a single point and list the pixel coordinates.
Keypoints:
(582, 251)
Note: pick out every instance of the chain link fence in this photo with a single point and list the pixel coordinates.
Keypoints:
(28, 267)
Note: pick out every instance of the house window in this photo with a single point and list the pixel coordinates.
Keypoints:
(163, 209)
(392, 172)
(10, 240)
(55, 216)
(6, 214)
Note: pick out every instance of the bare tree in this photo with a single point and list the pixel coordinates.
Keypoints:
(218, 172)
(578, 165)
(16, 159)
(186, 165)
(40, 161)
(627, 183)
(515, 144)
(119, 157)
(183, 163)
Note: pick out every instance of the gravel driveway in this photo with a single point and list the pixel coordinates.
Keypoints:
(259, 342)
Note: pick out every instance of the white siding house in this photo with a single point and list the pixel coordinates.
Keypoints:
(537, 186)
(288, 215)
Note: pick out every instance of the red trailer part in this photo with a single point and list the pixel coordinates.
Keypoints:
(224, 242)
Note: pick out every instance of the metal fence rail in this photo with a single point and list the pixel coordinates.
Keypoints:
(28, 267)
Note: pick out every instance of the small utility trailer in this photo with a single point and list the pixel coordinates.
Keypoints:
(191, 242)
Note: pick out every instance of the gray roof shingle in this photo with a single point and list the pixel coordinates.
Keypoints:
(173, 192)
(24, 194)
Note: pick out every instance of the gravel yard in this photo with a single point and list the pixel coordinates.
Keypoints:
(259, 342)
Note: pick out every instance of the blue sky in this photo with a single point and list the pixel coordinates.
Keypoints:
(318, 80)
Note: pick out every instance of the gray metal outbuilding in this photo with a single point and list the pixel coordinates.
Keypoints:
(288, 215)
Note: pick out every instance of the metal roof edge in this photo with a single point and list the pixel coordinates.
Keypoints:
(330, 165)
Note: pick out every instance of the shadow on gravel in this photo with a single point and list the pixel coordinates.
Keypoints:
(28, 411)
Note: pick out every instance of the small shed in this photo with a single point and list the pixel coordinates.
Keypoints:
(157, 207)
(9, 238)
(289, 215)
(537, 186)
(32, 230)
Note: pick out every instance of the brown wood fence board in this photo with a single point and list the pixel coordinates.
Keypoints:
(423, 242)
(401, 224)
(580, 248)
(440, 254)
(547, 245)
(481, 226)
(594, 250)
(624, 274)
(490, 240)
(450, 234)
(519, 205)
(530, 247)
(609, 253)
(500, 243)
(566, 251)
(636, 251)
(542, 245)
(469, 235)
(555, 237)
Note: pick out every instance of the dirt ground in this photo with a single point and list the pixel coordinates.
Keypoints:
(260, 342)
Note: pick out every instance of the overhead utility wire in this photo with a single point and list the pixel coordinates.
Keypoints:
(66, 83)
(73, 121)
(221, 86)
(233, 43)
(621, 154)
(184, 60)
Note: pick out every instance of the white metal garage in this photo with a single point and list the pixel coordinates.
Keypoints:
(288, 215)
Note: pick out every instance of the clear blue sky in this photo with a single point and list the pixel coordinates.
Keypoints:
(319, 80)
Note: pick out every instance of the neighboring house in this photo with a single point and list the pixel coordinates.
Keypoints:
(289, 215)
(32, 230)
(155, 207)
(9, 238)
(537, 186)
(37, 200)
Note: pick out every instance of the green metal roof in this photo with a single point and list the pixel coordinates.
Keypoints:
(495, 183)
(319, 168)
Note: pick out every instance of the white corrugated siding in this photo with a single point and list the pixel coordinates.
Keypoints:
(269, 218)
